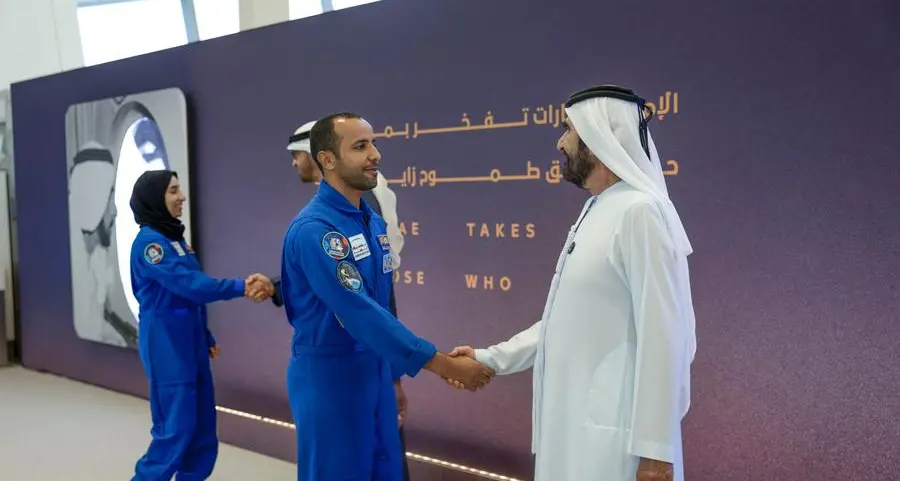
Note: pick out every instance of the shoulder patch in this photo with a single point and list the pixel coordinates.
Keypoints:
(349, 277)
(336, 245)
(153, 253)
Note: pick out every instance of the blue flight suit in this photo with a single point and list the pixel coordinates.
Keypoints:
(347, 348)
(174, 342)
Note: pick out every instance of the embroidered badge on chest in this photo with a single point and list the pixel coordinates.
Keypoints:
(360, 247)
(349, 277)
(385, 243)
(178, 249)
(387, 265)
(336, 245)
(153, 253)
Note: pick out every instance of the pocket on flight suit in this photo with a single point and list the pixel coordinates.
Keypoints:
(173, 347)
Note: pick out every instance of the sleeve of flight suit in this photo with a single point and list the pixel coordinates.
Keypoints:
(339, 285)
(161, 262)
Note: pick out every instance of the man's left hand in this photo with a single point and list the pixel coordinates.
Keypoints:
(213, 352)
(653, 470)
(401, 403)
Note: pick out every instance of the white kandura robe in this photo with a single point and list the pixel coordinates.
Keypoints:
(610, 355)
(387, 199)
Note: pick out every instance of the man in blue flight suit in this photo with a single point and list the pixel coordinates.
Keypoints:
(348, 350)
(380, 199)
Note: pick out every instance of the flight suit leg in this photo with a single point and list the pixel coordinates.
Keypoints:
(403, 455)
(167, 350)
(173, 410)
(200, 459)
(334, 399)
(389, 454)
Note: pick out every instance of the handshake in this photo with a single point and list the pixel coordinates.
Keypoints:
(258, 288)
(460, 369)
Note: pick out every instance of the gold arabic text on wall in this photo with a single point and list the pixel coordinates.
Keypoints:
(413, 177)
(551, 115)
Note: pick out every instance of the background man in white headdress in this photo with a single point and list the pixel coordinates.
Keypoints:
(298, 146)
(612, 351)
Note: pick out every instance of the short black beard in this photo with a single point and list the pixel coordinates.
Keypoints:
(578, 167)
(359, 181)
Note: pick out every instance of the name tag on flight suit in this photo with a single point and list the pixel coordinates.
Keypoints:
(178, 249)
(359, 246)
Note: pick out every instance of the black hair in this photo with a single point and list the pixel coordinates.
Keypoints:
(322, 136)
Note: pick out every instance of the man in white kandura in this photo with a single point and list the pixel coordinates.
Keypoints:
(613, 349)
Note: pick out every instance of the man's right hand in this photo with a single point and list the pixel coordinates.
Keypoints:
(467, 372)
(258, 287)
(467, 351)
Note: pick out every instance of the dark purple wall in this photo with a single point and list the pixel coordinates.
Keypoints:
(787, 140)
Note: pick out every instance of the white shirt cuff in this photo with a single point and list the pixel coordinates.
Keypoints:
(484, 356)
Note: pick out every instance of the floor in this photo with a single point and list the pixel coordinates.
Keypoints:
(55, 429)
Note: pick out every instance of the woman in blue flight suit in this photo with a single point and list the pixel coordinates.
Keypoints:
(174, 341)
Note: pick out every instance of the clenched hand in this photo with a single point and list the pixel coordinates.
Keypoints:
(258, 288)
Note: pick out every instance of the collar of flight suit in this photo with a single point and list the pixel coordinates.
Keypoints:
(337, 200)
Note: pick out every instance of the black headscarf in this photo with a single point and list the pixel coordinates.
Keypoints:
(148, 202)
